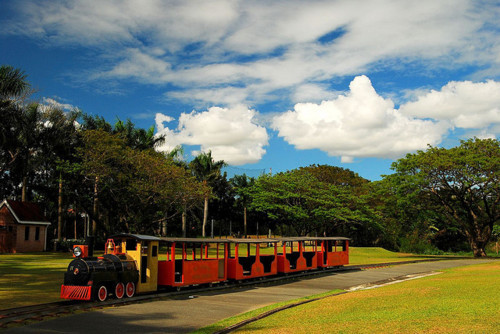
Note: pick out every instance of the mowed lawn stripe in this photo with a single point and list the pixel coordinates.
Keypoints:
(461, 300)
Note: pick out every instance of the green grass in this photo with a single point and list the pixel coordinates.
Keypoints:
(371, 255)
(461, 300)
(247, 315)
(31, 278)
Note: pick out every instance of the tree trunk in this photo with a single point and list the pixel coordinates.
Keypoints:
(164, 228)
(184, 223)
(478, 248)
(245, 221)
(59, 210)
(95, 209)
(205, 216)
(23, 189)
(76, 234)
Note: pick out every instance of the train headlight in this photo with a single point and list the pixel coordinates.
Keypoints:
(77, 251)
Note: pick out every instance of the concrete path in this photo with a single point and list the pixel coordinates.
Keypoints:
(187, 313)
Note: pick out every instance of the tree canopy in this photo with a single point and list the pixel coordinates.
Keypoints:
(465, 183)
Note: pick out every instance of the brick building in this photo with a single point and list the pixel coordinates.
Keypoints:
(23, 227)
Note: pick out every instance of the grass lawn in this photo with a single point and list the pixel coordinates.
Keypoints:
(370, 255)
(31, 278)
(461, 300)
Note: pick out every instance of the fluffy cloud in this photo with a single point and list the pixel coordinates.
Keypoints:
(231, 134)
(360, 123)
(52, 103)
(260, 47)
(464, 104)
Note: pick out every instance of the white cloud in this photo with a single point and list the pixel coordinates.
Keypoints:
(230, 133)
(50, 102)
(358, 124)
(198, 46)
(160, 119)
(465, 104)
(313, 93)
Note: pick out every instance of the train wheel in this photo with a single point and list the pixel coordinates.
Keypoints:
(130, 289)
(119, 290)
(102, 293)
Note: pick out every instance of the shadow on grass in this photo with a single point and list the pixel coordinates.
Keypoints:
(31, 278)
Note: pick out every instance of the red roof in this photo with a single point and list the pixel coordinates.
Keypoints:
(26, 212)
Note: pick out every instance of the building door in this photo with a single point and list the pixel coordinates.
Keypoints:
(6, 241)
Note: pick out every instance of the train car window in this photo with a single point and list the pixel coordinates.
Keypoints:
(155, 251)
(131, 244)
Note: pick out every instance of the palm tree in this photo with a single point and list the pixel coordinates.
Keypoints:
(206, 170)
(13, 83)
(138, 138)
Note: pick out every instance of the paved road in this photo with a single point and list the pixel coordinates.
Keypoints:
(185, 314)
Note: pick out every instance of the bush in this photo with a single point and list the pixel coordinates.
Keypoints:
(417, 245)
(66, 245)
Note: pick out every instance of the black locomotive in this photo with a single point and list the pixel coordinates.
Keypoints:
(96, 277)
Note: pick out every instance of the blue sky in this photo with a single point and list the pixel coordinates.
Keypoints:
(270, 84)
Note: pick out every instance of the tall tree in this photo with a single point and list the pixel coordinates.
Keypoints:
(13, 86)
(102, 157)
(242, 185)
(206, 170)
(464, 181)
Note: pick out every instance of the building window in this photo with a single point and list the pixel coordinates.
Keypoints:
(10, 229)
(27, 233)
(37, 233)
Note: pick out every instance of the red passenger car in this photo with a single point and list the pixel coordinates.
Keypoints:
(193, 261)
(249, 260)
(297, 254)
(332, 251)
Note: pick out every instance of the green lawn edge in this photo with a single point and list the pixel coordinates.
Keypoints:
(477, 313)
(220, 325)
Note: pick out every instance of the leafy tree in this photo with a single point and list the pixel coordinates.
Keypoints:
(91, 122)
(337, 176)
(464, 181)
(13, 83)
(60, 137)
(137, 138)
(207, 171)
(298, 199)
(139, 188)
(103, 159)
(408, 217)
(242, 185)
